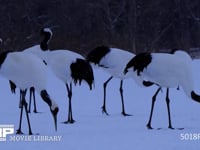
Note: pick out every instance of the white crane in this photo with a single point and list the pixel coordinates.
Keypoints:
(36, 49)
(165, 70)
(27, 70)
(68, 66)
(113, 61)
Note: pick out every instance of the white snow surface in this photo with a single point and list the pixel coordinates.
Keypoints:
(96, 131)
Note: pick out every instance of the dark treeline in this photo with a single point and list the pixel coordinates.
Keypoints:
(80, 25)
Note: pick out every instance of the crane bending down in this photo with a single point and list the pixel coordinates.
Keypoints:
(113, 61)
(27, 70)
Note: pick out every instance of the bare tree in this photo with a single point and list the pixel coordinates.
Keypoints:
(80, 25)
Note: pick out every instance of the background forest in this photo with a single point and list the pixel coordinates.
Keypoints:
(81, 25)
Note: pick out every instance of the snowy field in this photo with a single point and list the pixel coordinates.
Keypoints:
(95, 131)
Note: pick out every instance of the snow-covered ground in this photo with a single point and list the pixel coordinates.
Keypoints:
(95, 131)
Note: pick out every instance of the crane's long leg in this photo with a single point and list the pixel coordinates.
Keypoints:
(34, 101)
(70, 116)
(26, 110)
(122, 99)
(104, 96)
(152, 107)
(32, 94)
(30, 100)
(20, 99)
(20, 119)
(168, 109)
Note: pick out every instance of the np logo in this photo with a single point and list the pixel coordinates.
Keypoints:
(5, 130)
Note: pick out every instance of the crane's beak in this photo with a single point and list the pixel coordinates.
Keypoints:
(125, 71)
(55, 122)
(90, 87)
(54, 113)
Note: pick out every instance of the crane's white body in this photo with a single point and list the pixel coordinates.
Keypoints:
(114, 63)
(58, 60)
(171, 70)
(25, 70)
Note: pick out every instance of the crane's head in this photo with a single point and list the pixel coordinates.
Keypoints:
(47, 35)
(52, 104)
(54, 111)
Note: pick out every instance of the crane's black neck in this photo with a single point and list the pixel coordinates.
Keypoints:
(45, 97)
(44, 45)
(3, 56)
(195, 97)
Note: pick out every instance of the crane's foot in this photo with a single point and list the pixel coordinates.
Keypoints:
(69, 121)
(149, 126)
(104, 111)
(19, 131)
(125, 114)
(170, 127)
(35, 111)
(30, 133)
